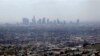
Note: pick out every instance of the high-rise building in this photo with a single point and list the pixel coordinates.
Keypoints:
(33, 20)
(39, 21)
(64, 22)
(48, 21)
(25, 21)
(78, 21)
(58, 21)
(43, 20)
(54, 21)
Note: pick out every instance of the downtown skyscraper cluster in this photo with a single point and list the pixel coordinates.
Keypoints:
(43, 20)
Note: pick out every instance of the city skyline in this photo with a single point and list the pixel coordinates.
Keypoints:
(45, 20)
(70, 10)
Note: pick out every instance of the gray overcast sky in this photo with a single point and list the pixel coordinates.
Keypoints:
(15, 10)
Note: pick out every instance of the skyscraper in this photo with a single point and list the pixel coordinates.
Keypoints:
(48, 21)
(64, 22)
(39, 21)
(25, 21)
(58, 21)
(33, 20)
(77, 21)
(43, 20)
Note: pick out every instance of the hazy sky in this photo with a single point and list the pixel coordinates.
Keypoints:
(15, 10)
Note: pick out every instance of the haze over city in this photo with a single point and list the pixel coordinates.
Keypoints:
(70, 10)
(49, 27)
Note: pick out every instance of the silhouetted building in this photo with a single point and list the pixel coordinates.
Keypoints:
(64, 22)
(55, 22)
(58, 21)
(44, 20)
(25, 21)
(33, 20)
(78, 21)
(48, 21)
(39, 21)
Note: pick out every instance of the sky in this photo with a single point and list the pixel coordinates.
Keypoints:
(69, 10)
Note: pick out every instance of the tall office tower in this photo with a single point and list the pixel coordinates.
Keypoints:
(39, 21)
(33, 20)
(25, 21)
(43, 20)
(64, 22)
(55, 22)
(77, 21)
(58, 21)
(48, 21)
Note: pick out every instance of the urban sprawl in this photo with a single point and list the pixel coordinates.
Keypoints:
(45, 37)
